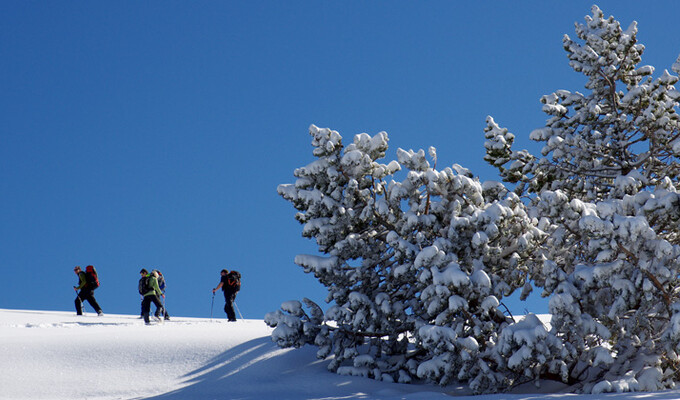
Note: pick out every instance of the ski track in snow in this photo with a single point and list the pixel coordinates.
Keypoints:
(58, 355)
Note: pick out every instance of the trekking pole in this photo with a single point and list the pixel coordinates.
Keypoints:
(212, 303)
(237, 309)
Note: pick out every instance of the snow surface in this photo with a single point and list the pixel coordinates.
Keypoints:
(58, 355)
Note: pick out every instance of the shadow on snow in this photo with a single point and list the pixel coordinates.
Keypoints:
(258, 369)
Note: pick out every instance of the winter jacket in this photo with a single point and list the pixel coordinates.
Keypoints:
(161, 283)
(83, 280)
(155, 290)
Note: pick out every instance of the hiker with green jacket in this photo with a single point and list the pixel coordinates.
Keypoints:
(149, 289)
(85, 289)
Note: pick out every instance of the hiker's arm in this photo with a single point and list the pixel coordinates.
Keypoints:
(218, 287)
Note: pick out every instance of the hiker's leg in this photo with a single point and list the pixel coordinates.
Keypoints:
(93, 302)
(227, 304)
(229, 307)
(79, 305)
(146, 307)
(158, 304)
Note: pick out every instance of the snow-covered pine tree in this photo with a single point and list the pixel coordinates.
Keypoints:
(482, 238)
(415, 269)
(605, 189)
(337, 196)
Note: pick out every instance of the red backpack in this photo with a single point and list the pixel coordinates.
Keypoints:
(91, 277)
(234, 280)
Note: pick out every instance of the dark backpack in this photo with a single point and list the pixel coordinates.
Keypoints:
(91, 277)
(144, 286)
(234, 280)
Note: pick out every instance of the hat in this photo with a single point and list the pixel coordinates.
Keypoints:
(143, 271)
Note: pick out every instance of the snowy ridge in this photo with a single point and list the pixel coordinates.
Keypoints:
(57, 355)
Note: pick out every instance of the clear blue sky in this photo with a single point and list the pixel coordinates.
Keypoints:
(154, 134)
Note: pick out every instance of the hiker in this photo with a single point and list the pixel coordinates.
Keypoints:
(88, 282)
(161, 286)
(230, 283)
(148, 288)
(142, 289)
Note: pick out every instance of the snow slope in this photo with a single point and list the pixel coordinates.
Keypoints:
(58, 355)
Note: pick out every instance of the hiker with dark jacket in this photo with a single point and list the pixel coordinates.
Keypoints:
(230, 283)
(148, 288)
(142, 290)
(86, 286)
(161, 286)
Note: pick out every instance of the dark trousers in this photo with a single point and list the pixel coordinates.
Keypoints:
(88, 295)
(229, 299)
(146, 306)
(158, 310)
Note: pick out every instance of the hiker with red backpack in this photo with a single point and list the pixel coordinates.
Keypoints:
(88, 282)
(230, 283)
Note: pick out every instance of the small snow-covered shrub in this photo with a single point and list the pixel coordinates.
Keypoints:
(293, 327)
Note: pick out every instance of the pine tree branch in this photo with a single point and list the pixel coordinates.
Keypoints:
(508, 311)
(652, 278)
